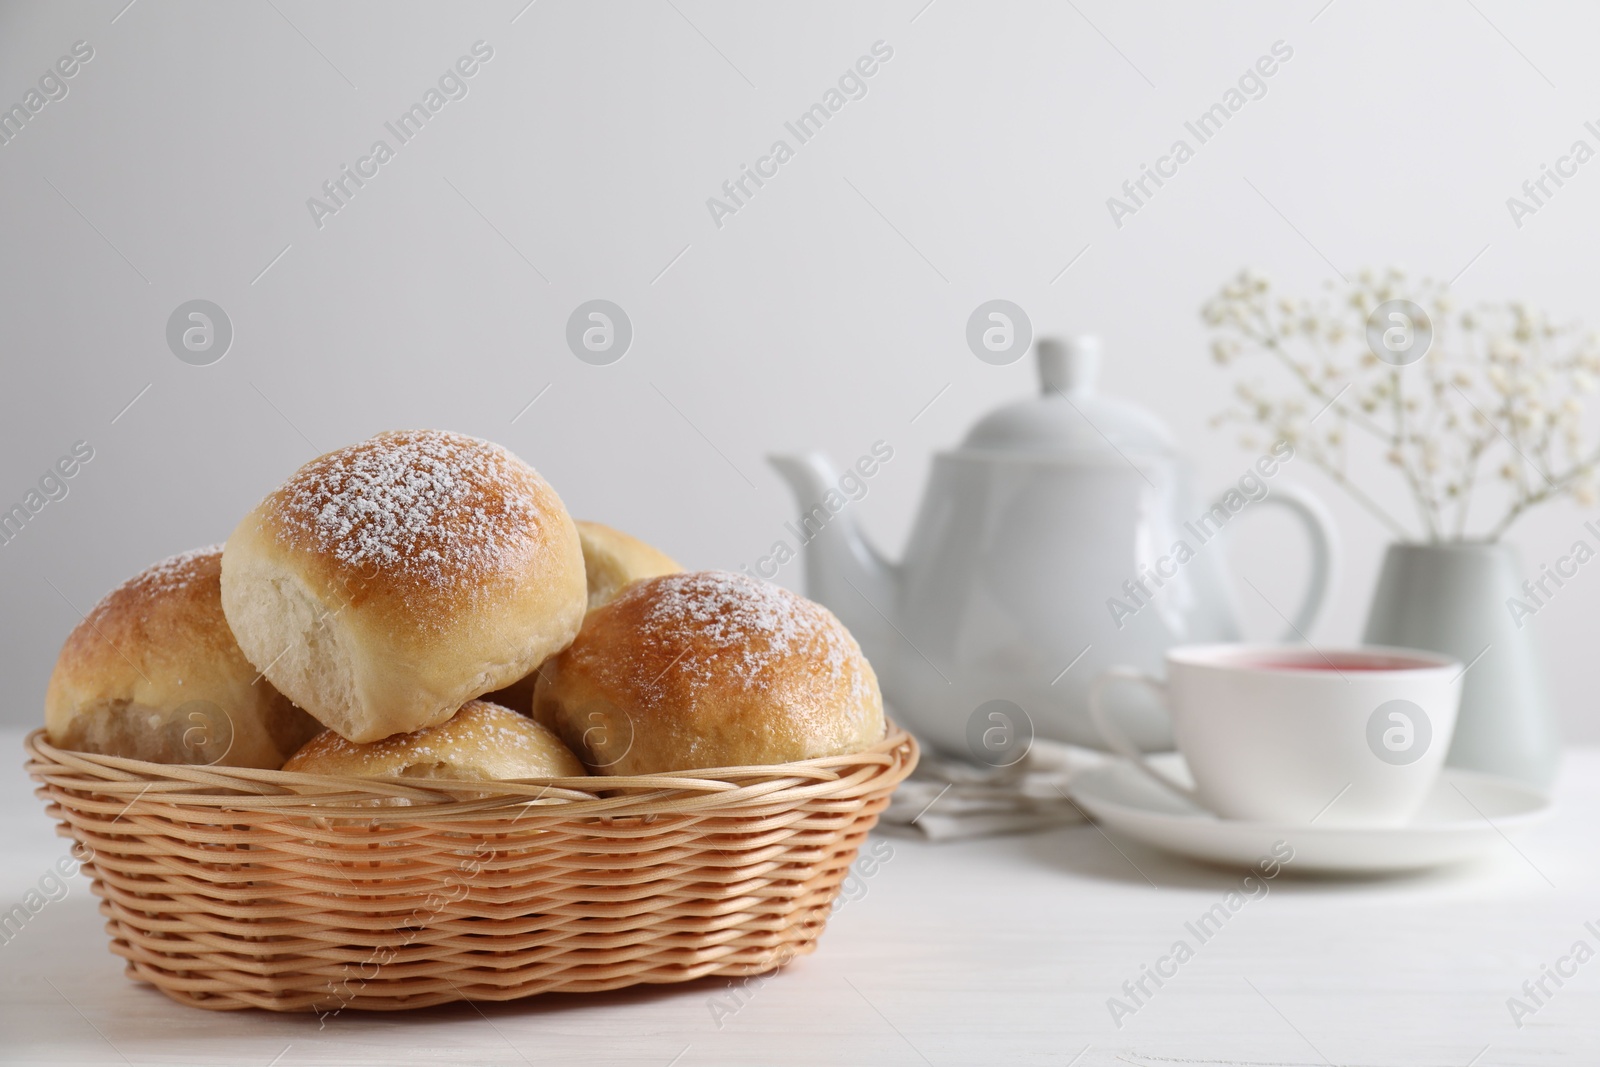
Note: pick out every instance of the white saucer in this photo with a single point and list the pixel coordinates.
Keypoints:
(1467, 814)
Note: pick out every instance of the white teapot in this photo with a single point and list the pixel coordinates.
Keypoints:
(1058, 539)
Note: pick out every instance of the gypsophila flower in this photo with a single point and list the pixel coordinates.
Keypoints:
(1494, 398)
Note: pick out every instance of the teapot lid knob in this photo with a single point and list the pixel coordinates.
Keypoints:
(1068, 366)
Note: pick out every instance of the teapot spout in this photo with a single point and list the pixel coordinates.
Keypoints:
(844, 572)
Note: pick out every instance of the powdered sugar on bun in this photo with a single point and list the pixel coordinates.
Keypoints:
(743, 628)
(709, 669)
(386, 584)
(171, 575)
(153, 672)
(433, 506)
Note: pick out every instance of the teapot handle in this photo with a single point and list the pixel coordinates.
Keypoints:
(1325, 553)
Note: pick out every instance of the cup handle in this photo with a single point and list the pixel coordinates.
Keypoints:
(1113, 735)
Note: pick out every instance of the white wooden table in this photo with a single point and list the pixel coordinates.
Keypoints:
(1000, 951)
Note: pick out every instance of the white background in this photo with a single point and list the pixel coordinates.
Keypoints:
(828, 312)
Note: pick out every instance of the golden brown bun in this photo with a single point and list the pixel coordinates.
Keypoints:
(613, 560)
(482, 742)
(153, 673)
(709, 669)
(386, 584)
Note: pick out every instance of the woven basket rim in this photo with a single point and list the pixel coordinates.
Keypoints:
(242, 788)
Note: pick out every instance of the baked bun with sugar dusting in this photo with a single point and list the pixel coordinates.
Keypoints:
(709, 669)
(482, 742)
(153, 673)
(386, 584)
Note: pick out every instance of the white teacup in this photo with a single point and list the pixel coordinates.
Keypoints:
(1290, 734)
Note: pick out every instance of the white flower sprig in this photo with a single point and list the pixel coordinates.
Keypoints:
(1495, 398)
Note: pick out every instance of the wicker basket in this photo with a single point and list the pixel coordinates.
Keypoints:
(230, 888)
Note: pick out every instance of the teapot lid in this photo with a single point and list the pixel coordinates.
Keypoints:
(1069, 418)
